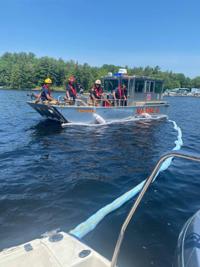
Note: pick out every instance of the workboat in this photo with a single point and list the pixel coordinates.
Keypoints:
(59, 249)
(144, 100)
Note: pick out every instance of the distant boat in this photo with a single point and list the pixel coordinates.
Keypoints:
(144, 96)
(178, 92)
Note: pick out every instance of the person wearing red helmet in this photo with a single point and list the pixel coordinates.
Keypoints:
(71, 89)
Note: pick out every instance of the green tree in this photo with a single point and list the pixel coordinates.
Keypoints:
(196, 82)
(25, 70)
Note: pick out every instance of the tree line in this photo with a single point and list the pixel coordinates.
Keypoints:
(25, 70)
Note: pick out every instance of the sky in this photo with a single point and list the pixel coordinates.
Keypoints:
(127, 32)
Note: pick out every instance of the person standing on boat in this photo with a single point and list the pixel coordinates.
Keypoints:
(125, 92)
(45, 94)
(96, 92)
(119, 95)
(71, 89)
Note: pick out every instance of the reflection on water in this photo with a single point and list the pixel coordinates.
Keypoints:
(46, 127)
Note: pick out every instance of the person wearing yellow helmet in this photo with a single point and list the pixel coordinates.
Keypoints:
(48, 81)
(45, 94)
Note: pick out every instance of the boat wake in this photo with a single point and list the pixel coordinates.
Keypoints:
(87, 226)
(99, 121)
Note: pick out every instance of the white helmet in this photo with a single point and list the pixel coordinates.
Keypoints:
(98, 82)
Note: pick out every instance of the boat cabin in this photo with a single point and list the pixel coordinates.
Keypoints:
(139, 88)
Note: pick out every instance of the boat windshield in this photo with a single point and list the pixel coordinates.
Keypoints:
(125, 82)
(110, 85)
(158, 87)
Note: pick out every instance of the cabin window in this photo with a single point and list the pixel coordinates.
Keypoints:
(158, 87)
(139, 86)
(110, 85)
(149, 86)
(131, 86)
(125, 82)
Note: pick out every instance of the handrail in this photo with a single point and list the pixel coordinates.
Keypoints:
(141, 194)
(121, 102)
(81, 102)
(62, 101)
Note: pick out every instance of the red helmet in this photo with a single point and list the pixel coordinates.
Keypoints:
(71, 79)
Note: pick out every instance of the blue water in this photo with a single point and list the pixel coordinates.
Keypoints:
(56, 178)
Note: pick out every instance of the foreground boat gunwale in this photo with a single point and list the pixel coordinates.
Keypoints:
(54, 250)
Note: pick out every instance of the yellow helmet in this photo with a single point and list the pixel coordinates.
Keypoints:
(48, 80)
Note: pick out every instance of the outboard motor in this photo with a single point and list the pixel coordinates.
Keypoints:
(188, 250)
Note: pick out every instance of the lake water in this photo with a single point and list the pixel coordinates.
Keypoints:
(56, 178)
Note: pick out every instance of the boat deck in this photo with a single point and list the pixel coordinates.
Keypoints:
(57, 250)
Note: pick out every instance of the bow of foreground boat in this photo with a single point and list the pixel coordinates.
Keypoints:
(56, 250)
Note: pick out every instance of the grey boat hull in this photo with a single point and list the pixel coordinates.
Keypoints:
(87, 114)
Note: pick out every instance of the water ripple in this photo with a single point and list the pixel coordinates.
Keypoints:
(55, 178)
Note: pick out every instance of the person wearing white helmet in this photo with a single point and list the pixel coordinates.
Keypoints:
(96, 92)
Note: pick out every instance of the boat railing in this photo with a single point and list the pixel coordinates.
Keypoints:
(103, 102)
(77, 102)
(80, 101)
(83, 100)
(141, 195)
(60, 99)
(106, 100)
